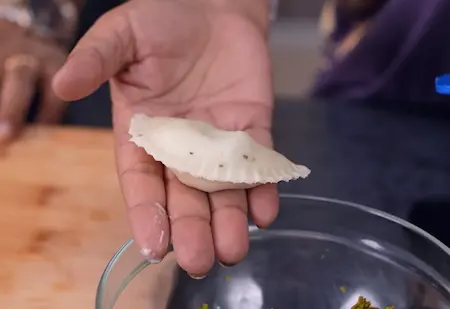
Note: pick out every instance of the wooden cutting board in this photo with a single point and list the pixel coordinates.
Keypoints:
(61, 217)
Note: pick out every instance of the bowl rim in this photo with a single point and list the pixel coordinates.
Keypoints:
(370, 210)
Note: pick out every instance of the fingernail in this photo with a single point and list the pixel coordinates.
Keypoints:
(255, 227)
(150, 256)
(224, 265)
(197, 278)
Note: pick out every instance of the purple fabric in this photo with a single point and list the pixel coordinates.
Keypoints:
(405, 48)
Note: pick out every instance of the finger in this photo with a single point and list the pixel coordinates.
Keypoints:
(229, 225)
(18, 88)
(263, 204)
(52, 108)
(142, 184)
(191, 230)
(100, 54)
(263, 200)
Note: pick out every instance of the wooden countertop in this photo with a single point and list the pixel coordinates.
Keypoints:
(62, 217)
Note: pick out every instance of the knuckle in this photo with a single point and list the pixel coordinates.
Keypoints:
(183, 218)
(140, 167)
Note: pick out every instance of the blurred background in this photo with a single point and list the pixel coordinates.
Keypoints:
(295, 46)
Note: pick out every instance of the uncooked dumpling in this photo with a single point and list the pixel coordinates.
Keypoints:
(210, 159)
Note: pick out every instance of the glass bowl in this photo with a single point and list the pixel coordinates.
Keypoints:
(320, 253)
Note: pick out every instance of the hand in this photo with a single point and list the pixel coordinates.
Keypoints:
(27, 63)
(184, 59)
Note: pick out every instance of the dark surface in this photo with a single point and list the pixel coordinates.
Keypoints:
(93, 111)
(391, 156)
(388, 157)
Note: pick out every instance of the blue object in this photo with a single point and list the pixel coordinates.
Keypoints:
(443, 84)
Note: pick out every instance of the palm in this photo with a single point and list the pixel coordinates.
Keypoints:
(184, 66)
(198, 70)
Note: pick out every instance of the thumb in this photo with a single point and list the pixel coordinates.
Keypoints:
(102, 52)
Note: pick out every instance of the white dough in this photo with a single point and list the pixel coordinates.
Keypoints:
(210, 159)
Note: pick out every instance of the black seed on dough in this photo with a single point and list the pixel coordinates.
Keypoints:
(220, 165)
(191, 153)
(245, 157)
